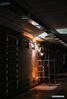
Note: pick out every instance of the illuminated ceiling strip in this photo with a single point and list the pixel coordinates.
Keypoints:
(34, 23)
(62, 31)
(43, 35)
(5, 3)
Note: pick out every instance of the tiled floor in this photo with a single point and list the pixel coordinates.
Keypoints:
(54, 91)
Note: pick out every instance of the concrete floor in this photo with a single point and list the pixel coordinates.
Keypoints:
(44, 91)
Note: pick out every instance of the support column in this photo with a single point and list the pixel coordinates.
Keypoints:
(7, 65)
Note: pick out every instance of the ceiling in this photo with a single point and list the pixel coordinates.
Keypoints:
(52, 11)
(50, 14)
(11, 16)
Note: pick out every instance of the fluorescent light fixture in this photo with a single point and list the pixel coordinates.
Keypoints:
(4, 3)
(34, 23)
(31, 21)
(57, 96)
(43, 35)
(62, 31)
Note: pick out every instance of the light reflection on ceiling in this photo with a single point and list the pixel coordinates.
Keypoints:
(28, 35)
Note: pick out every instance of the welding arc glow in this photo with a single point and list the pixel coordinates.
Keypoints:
(57, 96)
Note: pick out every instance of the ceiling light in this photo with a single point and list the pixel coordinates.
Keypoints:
(4, 3)
(43, 35)
(62, 31)
(34, 23)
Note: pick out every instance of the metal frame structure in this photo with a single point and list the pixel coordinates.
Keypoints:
(41, 63)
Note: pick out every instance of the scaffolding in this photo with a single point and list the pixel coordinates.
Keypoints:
(47, 70)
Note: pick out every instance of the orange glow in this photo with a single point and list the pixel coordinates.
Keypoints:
(37, 39)
(28, 35)
(31, 36)
(34, 71)
(33, 54)
(34, 64)
(33, 74)
(37, 78)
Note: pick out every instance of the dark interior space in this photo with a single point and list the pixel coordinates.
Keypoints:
(33, 49)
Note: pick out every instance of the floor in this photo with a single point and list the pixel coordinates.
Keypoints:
(44, 91)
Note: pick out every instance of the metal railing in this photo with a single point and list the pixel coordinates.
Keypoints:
(48, 70)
